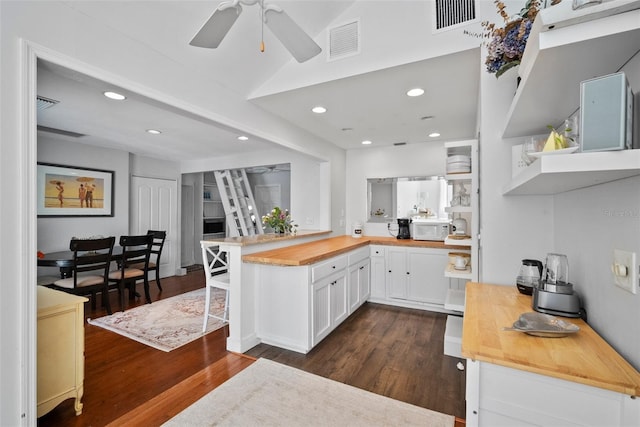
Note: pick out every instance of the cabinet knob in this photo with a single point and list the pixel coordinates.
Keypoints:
(389, 271)
(333, 266)
(362, 268)
(407, 272)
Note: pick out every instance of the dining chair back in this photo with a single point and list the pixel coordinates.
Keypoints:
(159, 237)
(89, 256)
(216, 272)
(133, 266)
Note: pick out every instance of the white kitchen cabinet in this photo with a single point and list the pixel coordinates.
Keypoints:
(329, 305)
(298, 306)
(358, 284)
(378, 273)
(500, 396)
(415, 274)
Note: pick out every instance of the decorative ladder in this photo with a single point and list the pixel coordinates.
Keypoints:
(239, 206)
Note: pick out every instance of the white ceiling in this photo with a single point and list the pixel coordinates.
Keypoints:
(372, 105)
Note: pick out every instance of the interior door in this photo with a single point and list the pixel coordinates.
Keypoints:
(154, 207)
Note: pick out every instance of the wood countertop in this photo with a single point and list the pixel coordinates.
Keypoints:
(583, 357)
(312, 252)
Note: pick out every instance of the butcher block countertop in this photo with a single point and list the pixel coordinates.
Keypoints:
(312, 252)
(583, 357)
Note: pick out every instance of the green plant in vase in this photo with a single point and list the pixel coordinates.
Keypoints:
(279, 221)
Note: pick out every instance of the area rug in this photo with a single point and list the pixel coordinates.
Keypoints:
(166, 324)
(271, 394)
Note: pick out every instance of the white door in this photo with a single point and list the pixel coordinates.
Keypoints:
(153, 206)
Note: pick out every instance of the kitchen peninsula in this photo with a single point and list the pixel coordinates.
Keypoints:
(518, 379)
(267, 304)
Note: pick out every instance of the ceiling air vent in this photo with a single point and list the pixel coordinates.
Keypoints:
(449, 14)
(344, 40)
(44, 103)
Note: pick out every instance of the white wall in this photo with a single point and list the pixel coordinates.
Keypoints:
(385, 162)
(590, 224)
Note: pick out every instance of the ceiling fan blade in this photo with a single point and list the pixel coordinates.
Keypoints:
(301, 46)
(217, 26)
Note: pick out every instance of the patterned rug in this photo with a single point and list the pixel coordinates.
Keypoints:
(271, 394)
(166, 324)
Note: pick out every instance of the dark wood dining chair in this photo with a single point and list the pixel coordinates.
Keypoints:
(136, 251)
(89, 255)
(156, 250)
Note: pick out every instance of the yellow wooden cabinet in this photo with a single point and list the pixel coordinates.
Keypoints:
(60, 349)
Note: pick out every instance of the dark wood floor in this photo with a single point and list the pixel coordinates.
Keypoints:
(395, 352)
(390, 351)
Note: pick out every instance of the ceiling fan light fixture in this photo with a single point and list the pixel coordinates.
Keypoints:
(319, 109)
(415, 92)
(114, 95)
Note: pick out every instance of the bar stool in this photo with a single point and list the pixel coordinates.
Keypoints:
(217, 276)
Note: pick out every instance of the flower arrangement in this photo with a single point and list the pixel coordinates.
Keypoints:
(506, 45)
(279, 220)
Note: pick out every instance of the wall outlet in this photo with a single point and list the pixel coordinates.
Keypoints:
(517, 164)
(625, 270)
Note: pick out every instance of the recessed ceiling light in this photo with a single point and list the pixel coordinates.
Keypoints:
(434, 134)
(154, 131)
(415, 92)
(114, 95)
(366, 142)
(318, 109)
(243, 138)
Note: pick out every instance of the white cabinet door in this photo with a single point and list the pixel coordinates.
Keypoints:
(321, 316)
(339, 306)
(397, 273)
(359, 287)
(426, 282)
(330, 305)
(378, 273)
(354, 288)
(364, 281)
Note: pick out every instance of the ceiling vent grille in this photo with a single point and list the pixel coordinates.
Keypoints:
(44, 103)
(453, 13)
(344, 40)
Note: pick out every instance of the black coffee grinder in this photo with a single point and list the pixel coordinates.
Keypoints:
(403, 228)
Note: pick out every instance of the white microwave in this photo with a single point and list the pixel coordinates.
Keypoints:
(429, 229)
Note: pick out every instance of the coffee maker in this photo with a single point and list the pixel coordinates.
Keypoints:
(403, 228)
(555, 295)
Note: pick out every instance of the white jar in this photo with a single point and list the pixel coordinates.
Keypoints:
(357, 230)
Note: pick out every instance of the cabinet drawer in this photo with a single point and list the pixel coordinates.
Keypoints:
(323, 269)
(358, 255)
(376, 251)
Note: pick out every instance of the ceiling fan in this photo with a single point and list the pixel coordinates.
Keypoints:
(301, 46)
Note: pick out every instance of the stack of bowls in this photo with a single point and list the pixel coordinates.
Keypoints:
(458, 164)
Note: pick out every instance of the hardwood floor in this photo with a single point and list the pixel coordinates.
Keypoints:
(391, 351)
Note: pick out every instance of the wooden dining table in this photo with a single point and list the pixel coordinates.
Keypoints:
(64, 260)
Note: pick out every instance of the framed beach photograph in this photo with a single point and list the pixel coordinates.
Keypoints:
(74, 191)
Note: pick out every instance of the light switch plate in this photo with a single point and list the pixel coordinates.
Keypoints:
(625, 270)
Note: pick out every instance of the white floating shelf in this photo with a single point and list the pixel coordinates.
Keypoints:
(457, 242)
(555, 174)
(454, 273)
(458, 209)
(559, 56)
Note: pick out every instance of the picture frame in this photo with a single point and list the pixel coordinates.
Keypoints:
(72, 191)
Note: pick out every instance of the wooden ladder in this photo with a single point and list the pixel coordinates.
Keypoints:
(239, 206)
